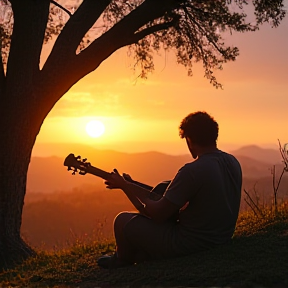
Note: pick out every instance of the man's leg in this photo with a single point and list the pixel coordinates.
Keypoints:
(138, 238)
(124, 250)
(125, 253)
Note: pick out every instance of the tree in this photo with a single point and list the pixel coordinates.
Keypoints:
(192, 29)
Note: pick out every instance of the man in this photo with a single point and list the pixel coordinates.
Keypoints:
(205, 194)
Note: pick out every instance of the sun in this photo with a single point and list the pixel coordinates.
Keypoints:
(95, 128)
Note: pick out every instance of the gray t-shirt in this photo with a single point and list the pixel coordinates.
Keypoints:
(211, 189)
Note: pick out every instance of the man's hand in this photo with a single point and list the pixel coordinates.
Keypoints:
(115, 181)
(127, 177)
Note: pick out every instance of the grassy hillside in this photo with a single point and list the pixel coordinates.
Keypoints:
(257, 257)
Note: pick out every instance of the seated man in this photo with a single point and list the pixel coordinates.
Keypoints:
(205, 194)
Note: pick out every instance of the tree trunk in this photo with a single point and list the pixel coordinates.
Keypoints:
(18, 130)
(21, 116)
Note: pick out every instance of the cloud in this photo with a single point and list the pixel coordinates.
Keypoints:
(86, 103)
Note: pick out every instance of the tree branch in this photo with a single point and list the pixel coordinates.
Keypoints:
(203, 31)
(145, 32)
(61, 7)
(2, 73)
(30, 20)
(148, 11)
(73, 32)
(124, 33)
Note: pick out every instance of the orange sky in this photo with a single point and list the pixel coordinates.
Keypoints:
(142, 115)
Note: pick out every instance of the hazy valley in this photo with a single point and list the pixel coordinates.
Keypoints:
(60, 207)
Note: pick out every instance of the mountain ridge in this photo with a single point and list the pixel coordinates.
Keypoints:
(47, 174)
(63, 149)
(258, 153)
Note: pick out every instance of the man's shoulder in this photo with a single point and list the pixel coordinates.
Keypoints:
(231, 162)
(227, 157)
(230, 157)
(221, 154)
(208, 160)
(193, 165)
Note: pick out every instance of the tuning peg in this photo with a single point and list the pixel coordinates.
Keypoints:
(78, 157)
(69, 168)
(74, 171)
(84, 160)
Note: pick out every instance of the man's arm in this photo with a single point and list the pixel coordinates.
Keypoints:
(128, 178)
(159, 211)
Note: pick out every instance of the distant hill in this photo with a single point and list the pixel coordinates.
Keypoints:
(62, 149)
(266, 155)
(271, 156)
(47, 174)
(252, 168)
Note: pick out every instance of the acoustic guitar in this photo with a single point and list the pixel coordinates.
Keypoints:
(81, 166)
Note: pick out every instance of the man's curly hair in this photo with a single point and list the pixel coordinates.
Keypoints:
(200, 128)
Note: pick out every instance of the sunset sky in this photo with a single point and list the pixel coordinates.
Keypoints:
(144, 115)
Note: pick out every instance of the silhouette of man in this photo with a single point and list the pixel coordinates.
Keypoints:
(205, 194)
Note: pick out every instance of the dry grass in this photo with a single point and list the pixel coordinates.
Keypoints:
(257, 257)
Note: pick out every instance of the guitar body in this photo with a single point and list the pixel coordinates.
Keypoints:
(159, 189)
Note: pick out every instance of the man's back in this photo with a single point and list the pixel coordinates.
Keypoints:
(212, 186)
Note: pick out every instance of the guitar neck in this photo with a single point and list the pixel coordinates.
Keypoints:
(105, 175)
(98, 172)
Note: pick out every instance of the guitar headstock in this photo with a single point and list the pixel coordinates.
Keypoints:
(76, 164)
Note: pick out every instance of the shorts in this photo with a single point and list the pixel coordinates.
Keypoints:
(157, 241)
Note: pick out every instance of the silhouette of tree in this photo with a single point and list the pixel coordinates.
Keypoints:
(192, 29)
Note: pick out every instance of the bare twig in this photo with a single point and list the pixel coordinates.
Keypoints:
(61, 7)
(252, 203)
(273, 172)
(284, 154)
(251, 207)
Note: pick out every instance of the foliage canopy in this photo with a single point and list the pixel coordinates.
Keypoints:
(193, 29)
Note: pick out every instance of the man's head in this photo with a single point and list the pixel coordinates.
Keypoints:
(200, 131)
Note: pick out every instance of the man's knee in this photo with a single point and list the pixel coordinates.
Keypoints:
(122, 219)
